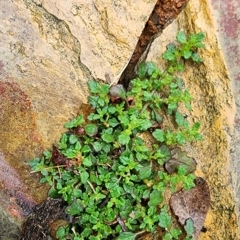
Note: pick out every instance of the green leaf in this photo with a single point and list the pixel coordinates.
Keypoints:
(147, 96)
(170, 53)
(104, 90)
(86, 232)
(196, 57)
(126, 158)
(171, 107)
(181, 37)
(47, 154)
(93, 219)
(189, 227)
(164, 220)
(126, 236)
(95, 179)
(188, 181)
(196, 126)
(151, 67)
(106, 147)
(93, 101)
(97, 146)
(124, 120)
(142, 70)
(87, 161)
(78, 121)
(34, 163)
(84, 176)
(73, 139)
(60, 232)
(187, 54)
(63, 142)
(180, 120)
(196, 40)
(146, 194)
(188, 106)
(168, 56)
(142, 124)
(93, 117)
(77, 193)
(77, 146)
(173, 85)
(167, 236)
(113, 122)
(145, 172)
(116, 192)
(175, 233)
(155, 198)
(74, 209)
(112, 183)
(107, 137)
(159, 135)
(156, 116)
(123, 138)
(181, 138)
(162, 154)
(171, 47)
(77, 238)
(91, 129)
(111, 109)
(86, 149)
(53, 192)
(93, 86)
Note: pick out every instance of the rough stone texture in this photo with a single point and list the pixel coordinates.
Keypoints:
(162, 15)
(48, 51)
(227, 20)
(213, 106)
(106, 29)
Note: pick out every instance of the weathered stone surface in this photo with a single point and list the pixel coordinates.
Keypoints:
(227, 21)
(213, 106)
(106, 29)
(162, 15)
(48, 51)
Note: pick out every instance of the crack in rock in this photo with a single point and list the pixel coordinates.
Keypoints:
(162, 15)
(58, 34)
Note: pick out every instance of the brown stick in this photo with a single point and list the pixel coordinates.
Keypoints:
(164, 12)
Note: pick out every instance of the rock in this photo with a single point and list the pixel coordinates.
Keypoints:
(48, 52)
(162, 15)
(107, 30)
(226, 16)
(213, 106)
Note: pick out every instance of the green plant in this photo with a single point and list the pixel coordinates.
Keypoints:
(111, 178)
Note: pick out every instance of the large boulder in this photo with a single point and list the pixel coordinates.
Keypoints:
(214, 107)
(50, 49)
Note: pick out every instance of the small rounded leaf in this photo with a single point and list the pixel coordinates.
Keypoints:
(155, 198)
(60, 232)
(181, 37)
(91, 129)
(145, 172)
(164, 220)
(126, 236)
